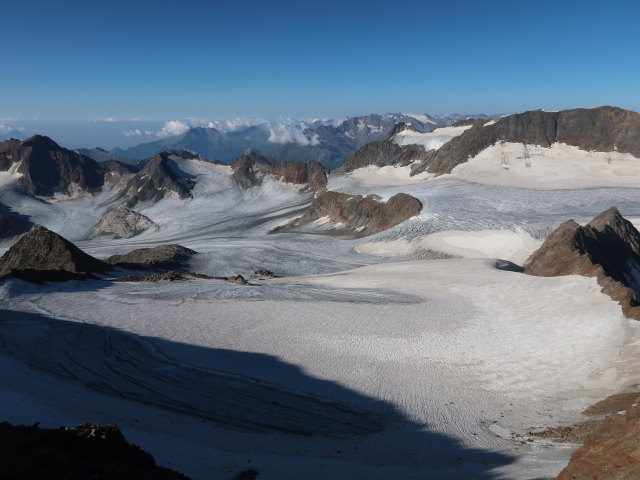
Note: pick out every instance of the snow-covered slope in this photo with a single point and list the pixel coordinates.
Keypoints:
(431, 140)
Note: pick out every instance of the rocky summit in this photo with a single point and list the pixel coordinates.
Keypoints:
(156, 180)
(42, 255)
(47, 168)
(353, 216)
(250, 169)
(607, 248)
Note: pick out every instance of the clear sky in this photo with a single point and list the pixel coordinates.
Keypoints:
(162, 59)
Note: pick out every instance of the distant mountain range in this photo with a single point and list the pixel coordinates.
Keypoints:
(329, 142)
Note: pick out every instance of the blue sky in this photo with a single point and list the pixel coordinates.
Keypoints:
(160, 60)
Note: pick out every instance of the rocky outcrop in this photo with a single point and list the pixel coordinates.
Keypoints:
(118, 173)
(99, 452)
(611, 453)
(163, 257)
(353, 216)
(401, 127)
(122, 222)
(11, 223)
(159, 178)
(250, 169)
(607, 248)
(42, 255)
(384, 153)
(602, 129)
(47, 168)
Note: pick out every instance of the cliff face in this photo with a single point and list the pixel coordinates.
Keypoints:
(250, 169)
(607, 248)
(353, 216)
(48, 169)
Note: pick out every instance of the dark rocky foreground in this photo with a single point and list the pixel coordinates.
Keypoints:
(42, 255)
(96, 452)
(607, 248)
(358, 216)
(250, 169)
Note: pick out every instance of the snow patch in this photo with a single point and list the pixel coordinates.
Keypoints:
(431, 140)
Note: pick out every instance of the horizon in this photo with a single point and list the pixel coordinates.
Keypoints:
(163, 61)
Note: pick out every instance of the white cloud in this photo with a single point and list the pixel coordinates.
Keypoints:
(288, 131)
(138, 133)
(109, 119)
(173, 127)
(6, 128)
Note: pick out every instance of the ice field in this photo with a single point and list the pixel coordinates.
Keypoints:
(406, 354)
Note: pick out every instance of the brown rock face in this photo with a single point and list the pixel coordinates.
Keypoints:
(162, 257)
(385, 153)
(48, 168)
(353, 216)
(42, 255)
(99, 452)
(612, 453)
(250, 169)
(607, 248)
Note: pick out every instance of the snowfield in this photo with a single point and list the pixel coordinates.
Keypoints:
(373, 358)
(431, 140)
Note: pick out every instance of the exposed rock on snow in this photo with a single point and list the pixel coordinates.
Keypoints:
(118, 172)
(123, 222)
(11, 223)
(162, 257)
(383, 153)
(603, 129)
(612, 453)
(48, 168)
(607, 248)
(42, 255)
(83, 451)
(353, 216)
(250, 169)
(156, 180)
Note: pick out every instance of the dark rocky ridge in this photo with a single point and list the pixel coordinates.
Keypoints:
(48, 168)
(360, 215)
(607, 248)
(602, 129)
(12, 223)
(156, 180)
(250, 169)
(42, 255)
(97, 452)
(384, 153)
(155, 258)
